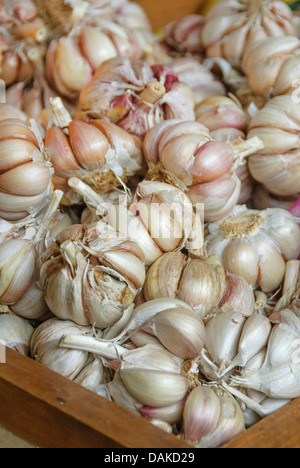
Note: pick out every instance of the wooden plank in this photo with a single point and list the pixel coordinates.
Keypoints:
(280, 430)
(162, 12)
(49, 411)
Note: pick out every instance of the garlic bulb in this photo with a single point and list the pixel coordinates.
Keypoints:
(231, 28)
(278, 377)
(202, 81)
(160, 219)
(91, 278)
(202, 283)
(283, 53)
(45, 349)
(25, 180)
(136, 96)
(20, 251)
(255, 245)
(184, 35)
(15, 333)
(276, 166)
(100, 153)
(212, 417)
(227, 122)
(185, 154)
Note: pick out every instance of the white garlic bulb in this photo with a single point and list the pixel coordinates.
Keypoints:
(15, 333)
(91, 278)
(202, 283)
(45, 349)
(25, 180)
(232, 27)
(255, 245)
(276, 166)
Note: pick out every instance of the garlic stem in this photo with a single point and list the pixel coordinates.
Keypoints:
(91, 198)
(48, 216)
(248, 401)
(89, 344)
(261, 300)
(245, 148)
(153, 92)
(61, 117)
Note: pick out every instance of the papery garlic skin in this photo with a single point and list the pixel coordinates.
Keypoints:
(25, 180)
(277, 165)
(91, 282)
(255, 245)
(231, 28)
(44, 347)
(15, 333)
(135, 96)
(284, 54)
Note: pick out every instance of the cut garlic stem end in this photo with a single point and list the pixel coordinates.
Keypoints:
(261, 300)
(92, 345)
(60, 115)
(245, 148)
(153, 92)
(91, 198)
(36, 57)
(49, 214)
(291, 278)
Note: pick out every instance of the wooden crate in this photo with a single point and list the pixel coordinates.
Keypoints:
(49, 411)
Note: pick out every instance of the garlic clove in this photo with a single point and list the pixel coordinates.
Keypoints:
(201, 413)
(28, 179)
(74, 71)
(154, 388)
(17, 264)
(15, 129)
(241, 258)
(180, 331)
(16, 333)
(89, 145)
(96, 46)
(171, 414)
(163, 277)
(272, 266)
(62, 156)
(212, 160)
(13, 153)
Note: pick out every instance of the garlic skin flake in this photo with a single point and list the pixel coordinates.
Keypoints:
(256, 245)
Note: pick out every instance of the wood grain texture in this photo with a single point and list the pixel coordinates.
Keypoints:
(49, 411)
(162, 12)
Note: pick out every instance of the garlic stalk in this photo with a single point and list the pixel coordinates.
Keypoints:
(231, 28)
(135, 96)
(202, 283)
(276, 165)
(283, 53)
(186, 155)
(99, 153)
(15, 333)
(25, 180)
(91, 278)
(255, 245)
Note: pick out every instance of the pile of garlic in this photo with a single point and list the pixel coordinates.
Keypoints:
(147, 251)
